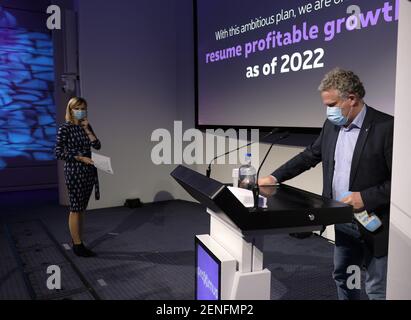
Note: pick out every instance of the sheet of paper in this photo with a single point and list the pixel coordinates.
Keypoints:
(246, 197)
(102, 163)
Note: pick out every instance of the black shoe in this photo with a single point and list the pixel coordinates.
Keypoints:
(81, 251)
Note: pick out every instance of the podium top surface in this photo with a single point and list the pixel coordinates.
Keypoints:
(283, 197)
(286, 206)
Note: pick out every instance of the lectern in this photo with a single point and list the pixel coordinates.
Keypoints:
(229, 260)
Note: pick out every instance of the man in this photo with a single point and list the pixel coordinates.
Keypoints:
(355, 148)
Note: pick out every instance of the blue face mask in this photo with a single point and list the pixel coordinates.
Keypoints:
(79, 114)
(334, 114)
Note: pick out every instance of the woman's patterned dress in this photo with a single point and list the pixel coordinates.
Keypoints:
(72, 141)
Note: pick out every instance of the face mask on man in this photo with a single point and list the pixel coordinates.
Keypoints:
(79, 114)
(335, 115)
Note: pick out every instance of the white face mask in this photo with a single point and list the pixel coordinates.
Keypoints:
(79, 114)
(335, 115)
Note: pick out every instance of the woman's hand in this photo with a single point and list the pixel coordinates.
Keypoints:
(85, 160)
(85, 125)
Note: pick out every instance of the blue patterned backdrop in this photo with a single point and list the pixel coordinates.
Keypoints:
(27, 109)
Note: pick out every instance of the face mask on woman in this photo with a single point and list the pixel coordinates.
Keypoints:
(79, 114)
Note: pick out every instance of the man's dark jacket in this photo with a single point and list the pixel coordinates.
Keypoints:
(370, 169)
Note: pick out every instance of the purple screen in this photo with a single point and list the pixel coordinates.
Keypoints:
(207, 274)
(238, 40)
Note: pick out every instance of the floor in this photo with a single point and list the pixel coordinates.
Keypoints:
(144, 253)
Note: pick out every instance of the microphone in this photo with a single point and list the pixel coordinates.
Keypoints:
(256, 188)
(208, 172)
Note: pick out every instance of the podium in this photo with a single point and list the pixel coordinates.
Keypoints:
(229, 260)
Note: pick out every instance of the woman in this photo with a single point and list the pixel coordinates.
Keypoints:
(74, 141)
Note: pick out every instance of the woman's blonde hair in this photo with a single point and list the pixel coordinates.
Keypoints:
(74, 103)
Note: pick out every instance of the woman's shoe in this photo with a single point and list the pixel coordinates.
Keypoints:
(81, 251)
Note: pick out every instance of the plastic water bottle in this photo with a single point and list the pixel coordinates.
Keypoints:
(371, 222)
(247, 174)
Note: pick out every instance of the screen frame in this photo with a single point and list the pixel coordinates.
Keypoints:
(203, 127)
(198, 242)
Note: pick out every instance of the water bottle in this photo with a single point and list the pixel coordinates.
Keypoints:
(371, 222)
(247, 174)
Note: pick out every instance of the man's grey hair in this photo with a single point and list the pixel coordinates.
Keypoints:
(346, 82)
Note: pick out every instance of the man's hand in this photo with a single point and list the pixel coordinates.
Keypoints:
(355, 200)
(267, 181)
